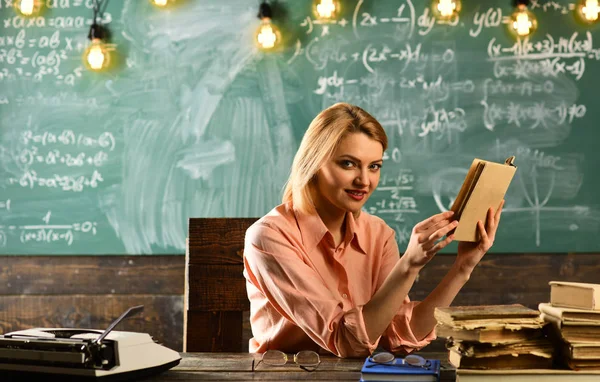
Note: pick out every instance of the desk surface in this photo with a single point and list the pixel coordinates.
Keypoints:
(238, 367)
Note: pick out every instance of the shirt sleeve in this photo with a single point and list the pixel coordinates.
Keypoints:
(399, 337)
(275, 267)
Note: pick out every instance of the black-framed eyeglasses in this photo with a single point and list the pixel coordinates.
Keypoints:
(411, 360)
(307, 359)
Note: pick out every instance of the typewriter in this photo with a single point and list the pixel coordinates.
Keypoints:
(83, 354)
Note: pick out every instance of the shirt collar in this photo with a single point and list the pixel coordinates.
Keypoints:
(353, 226)
(313, 229)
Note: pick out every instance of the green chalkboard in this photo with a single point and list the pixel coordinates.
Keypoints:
(194, 121)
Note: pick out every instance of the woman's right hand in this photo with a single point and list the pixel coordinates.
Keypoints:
(425, 238)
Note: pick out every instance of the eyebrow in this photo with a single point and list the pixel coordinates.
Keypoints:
(358, 160)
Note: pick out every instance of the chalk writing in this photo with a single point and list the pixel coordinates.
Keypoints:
(30, 179)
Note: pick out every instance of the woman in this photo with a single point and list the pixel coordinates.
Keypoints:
(321, 274)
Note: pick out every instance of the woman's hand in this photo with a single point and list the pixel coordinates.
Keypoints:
(470, 253)
(425, 238)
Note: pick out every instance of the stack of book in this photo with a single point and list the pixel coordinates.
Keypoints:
(574, 312)
(494, 337)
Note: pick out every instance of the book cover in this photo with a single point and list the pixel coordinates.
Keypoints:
(484, 186)
(575, 295)
(396, 371)
(485, 335)
(569, 316)
(517, 361)
(542, 347)
(513, 316)
(583, 351)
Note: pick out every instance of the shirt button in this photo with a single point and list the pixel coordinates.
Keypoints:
(345, 295)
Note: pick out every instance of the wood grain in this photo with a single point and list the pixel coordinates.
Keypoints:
(49, 275)
(113, 283)
(217, 240)
(215, 289)
(162, 316)
(91, 291)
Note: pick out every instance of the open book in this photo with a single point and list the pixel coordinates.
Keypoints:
(484, 187)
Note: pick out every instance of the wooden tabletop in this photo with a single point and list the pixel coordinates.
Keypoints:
(238, 367)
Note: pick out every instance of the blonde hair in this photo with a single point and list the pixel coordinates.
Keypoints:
(319, 143)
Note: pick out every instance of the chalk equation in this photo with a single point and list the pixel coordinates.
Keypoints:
(105, 140)
(76, 183)
(46, 232)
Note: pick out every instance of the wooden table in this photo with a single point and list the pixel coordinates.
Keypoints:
(238, 367)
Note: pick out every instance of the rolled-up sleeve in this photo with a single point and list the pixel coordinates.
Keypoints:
(399, 337)
(274, 265)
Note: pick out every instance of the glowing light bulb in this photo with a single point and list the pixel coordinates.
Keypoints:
(589, 10)
(326, 9)
(96, 56)
(27, 7)
(160, 3)
(446, 8)
(523, 22)
(267, 36)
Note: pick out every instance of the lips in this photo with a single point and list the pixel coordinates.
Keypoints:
(356, 194)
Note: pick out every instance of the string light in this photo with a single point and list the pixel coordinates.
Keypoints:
(96, 57)
(326, 9)
(446, 8)
(28, 8)
(267, 36)
(588, 10)
(523, 22)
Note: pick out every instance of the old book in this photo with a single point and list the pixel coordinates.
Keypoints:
(484, 335)
(528, 375)
(584, 364)
(541, 347)
(570, 316)
(575, 295)
(507, 361)
(574, 331)
(583, 351)
(484, 186)
(514, 316)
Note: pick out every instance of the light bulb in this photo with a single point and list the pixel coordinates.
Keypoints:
(27, 7)
(446, 8)
(326, 9)
(96, 56)
(160, 3)
(589, 9)
(523, 22)
(267, 35)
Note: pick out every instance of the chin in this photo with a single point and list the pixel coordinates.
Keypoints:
(354, 208)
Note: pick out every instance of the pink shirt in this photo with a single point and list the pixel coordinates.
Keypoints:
(305, 294)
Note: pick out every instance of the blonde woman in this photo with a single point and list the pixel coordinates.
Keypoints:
(324, 275)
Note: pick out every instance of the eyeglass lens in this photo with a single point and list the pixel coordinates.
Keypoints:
(307, 358)
(274, 358)
(410, 360)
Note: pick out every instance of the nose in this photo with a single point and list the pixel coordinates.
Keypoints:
(362, 178)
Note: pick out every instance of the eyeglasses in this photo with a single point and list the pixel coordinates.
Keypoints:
(412, 360)
(307, 359)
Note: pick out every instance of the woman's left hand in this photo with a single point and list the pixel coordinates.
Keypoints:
(470, 253)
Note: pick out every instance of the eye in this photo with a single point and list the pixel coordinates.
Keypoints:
(376, 166)
(347, 163)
